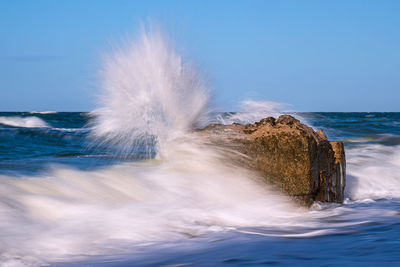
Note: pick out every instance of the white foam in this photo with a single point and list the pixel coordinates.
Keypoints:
(251, 111)
(190, 191)
(43, 112)
(148, 90)
(70, 212)
(373, 172)
(71, 129)
(28, 122)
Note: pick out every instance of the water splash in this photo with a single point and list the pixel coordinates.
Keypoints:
(149, 95)
(251, 111)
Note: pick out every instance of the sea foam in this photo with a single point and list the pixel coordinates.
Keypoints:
(43, 112)
(69, 212)
(28, 122)
(373, 172)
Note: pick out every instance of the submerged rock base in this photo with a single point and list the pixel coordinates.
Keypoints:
(290, 155)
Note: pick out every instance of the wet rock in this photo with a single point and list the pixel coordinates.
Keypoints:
(290, 155)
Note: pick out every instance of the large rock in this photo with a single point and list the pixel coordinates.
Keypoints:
(291, 156)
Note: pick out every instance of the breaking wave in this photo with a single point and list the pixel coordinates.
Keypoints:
(27, 122)
(373, 172)
(43, 112)
(68, 212)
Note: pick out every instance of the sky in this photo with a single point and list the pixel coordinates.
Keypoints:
(313, 55)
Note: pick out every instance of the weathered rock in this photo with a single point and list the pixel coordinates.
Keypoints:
(290, 155)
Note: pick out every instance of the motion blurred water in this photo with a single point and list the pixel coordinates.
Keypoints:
(62, 202)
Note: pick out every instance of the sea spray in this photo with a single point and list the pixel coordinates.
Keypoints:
(149, 95)
(250, 111)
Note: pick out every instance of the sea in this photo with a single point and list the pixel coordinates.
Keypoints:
(132, 183)
(66, 202)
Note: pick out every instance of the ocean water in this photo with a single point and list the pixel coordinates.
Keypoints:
(65, 202)
(131, 183)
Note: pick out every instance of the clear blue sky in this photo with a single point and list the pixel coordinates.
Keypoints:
(314, 55)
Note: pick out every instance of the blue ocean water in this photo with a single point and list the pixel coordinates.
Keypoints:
(64, 201)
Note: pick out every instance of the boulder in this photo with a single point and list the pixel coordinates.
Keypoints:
(290, 156)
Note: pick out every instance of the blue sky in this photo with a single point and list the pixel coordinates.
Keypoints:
(314, 55)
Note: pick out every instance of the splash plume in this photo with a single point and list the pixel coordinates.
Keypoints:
(149, 95)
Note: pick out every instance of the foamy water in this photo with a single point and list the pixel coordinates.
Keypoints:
(43, 112)
(69, 212)
(192, 191)
(29, 122)
(374, 172)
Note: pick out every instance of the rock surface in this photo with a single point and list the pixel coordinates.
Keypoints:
(290, 155)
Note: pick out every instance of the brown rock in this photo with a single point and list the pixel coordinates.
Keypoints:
(290, 155)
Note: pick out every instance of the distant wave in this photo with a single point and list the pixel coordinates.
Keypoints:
(383, 139)
(28, 122)
(71, 129)
(43, 112)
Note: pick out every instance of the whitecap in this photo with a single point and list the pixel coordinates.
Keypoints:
(43, 112)
(27, 122)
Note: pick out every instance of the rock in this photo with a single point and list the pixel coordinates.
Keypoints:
(290, 155)
(340, 165)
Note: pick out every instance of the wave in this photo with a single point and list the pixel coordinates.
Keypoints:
(373, 172)
(383, 139)
(71, 129)
(194, 191)
(71, 212)
(43, 112)
(27, 122)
